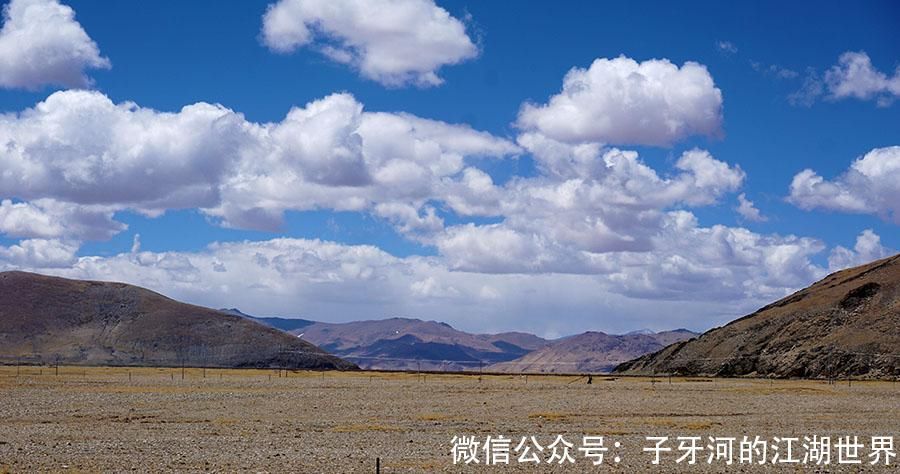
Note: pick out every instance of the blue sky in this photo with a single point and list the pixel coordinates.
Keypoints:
(165, 55)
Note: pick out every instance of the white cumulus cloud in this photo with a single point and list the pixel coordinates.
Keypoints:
(393, 42)
(855, 76)
(42, 44)
(622, 101)
(329, 154)
(870, 186)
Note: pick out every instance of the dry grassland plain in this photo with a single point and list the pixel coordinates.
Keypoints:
(151, 420)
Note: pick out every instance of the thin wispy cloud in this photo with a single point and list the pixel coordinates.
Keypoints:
(726, 47)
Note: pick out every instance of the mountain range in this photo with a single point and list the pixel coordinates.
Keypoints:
(413, 344)
(410, 344)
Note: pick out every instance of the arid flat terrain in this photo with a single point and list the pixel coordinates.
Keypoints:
(119, 419)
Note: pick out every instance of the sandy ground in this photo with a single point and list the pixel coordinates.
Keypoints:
(99, 419)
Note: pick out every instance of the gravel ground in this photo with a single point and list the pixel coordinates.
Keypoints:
(102, 419)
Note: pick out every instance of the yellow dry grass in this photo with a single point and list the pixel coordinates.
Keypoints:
(100, 419)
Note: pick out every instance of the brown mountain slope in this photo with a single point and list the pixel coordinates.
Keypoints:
(590, 352)
(848, 324)
(44, 318)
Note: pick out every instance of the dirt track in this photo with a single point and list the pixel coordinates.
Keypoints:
(96, 419)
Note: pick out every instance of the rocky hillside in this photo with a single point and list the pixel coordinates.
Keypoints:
(47, 319)
(848, 324)
(590, 352)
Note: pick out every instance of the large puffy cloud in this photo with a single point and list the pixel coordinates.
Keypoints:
(42, 44)
(329, 154)
(599, 201)
(394, 42)
(621, 101)
(129, 155)
(870, 186)
(588, 199)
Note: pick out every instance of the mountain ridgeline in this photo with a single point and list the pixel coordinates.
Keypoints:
(413, 344)
(591, 352)
(846, 325)
(47, 319)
